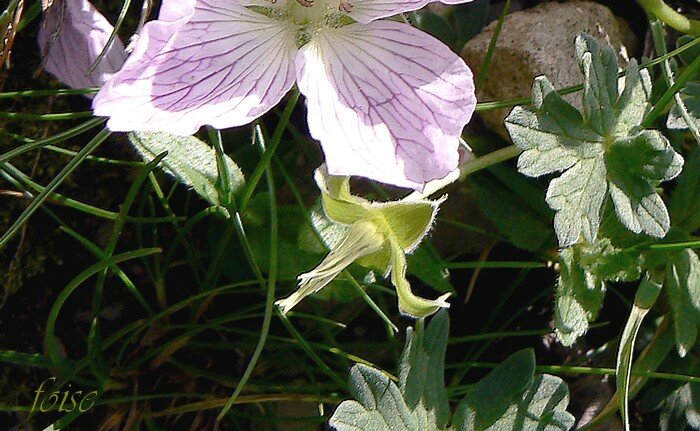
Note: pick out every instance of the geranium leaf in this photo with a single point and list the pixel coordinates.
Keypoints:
(635, 167)
(602, 152)
(682, 285)
(511, 397)
(380, 406)
(541, 408)
(418, 404)
(577, 197)
(691, 98)
(600, 90)
(685, 200)
(422, 368)
(489, 398)
(189, 160)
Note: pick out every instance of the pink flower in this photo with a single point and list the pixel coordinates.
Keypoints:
(71, 36)
(385, 100)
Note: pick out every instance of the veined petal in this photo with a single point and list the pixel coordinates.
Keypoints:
(410, 303)
(387, 101)
(365, 11)
(220, 64)
(71, 36)
(175, 10)
(361, 239)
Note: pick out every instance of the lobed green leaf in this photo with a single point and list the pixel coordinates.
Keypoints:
(189, 160)
(602, 152)
(682, 285)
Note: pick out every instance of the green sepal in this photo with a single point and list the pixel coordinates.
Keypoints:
(379, 236)
(409, 303)
(405, 221)
(338, 204)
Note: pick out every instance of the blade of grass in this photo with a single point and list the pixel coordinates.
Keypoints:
(269, 151)
(19, 179)
(676, 245)
(644, 368)
(492, 45)
(43, 93)
(660, 45)
(22, 116)
(112, 36)
(309, 351)
(24, 359)
(182, 233)
(660, 107)
(493, 264)
(53, 353)
(270, 298)
(95, 250)
(55, 182)
(118, 226)
(645, 298)
(59, 137)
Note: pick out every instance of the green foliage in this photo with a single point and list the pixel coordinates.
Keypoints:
(419, 403)
(297, 255)
(516, 206)
(436, 25)
(429, 269)
(602, 152)
(469, 19)
(189, 160)
(487, 401)
(635, 167)
(691, 98)
(690, 54)
(678, 402)
(610, 263)
(583, 272)
(579, 296)
(205, 330)
(646, 295)
(681, 408)
(685, 200)
(456, 25)
(510, 397)
(542, 407)
(422, 368)
(682, 286)
(690, 93)
(380, 406)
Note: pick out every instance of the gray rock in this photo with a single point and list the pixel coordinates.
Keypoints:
(539, 41)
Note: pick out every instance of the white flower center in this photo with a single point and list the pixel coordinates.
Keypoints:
(304, 12)
(309, 16)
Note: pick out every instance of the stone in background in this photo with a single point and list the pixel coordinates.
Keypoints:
(540, 41)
